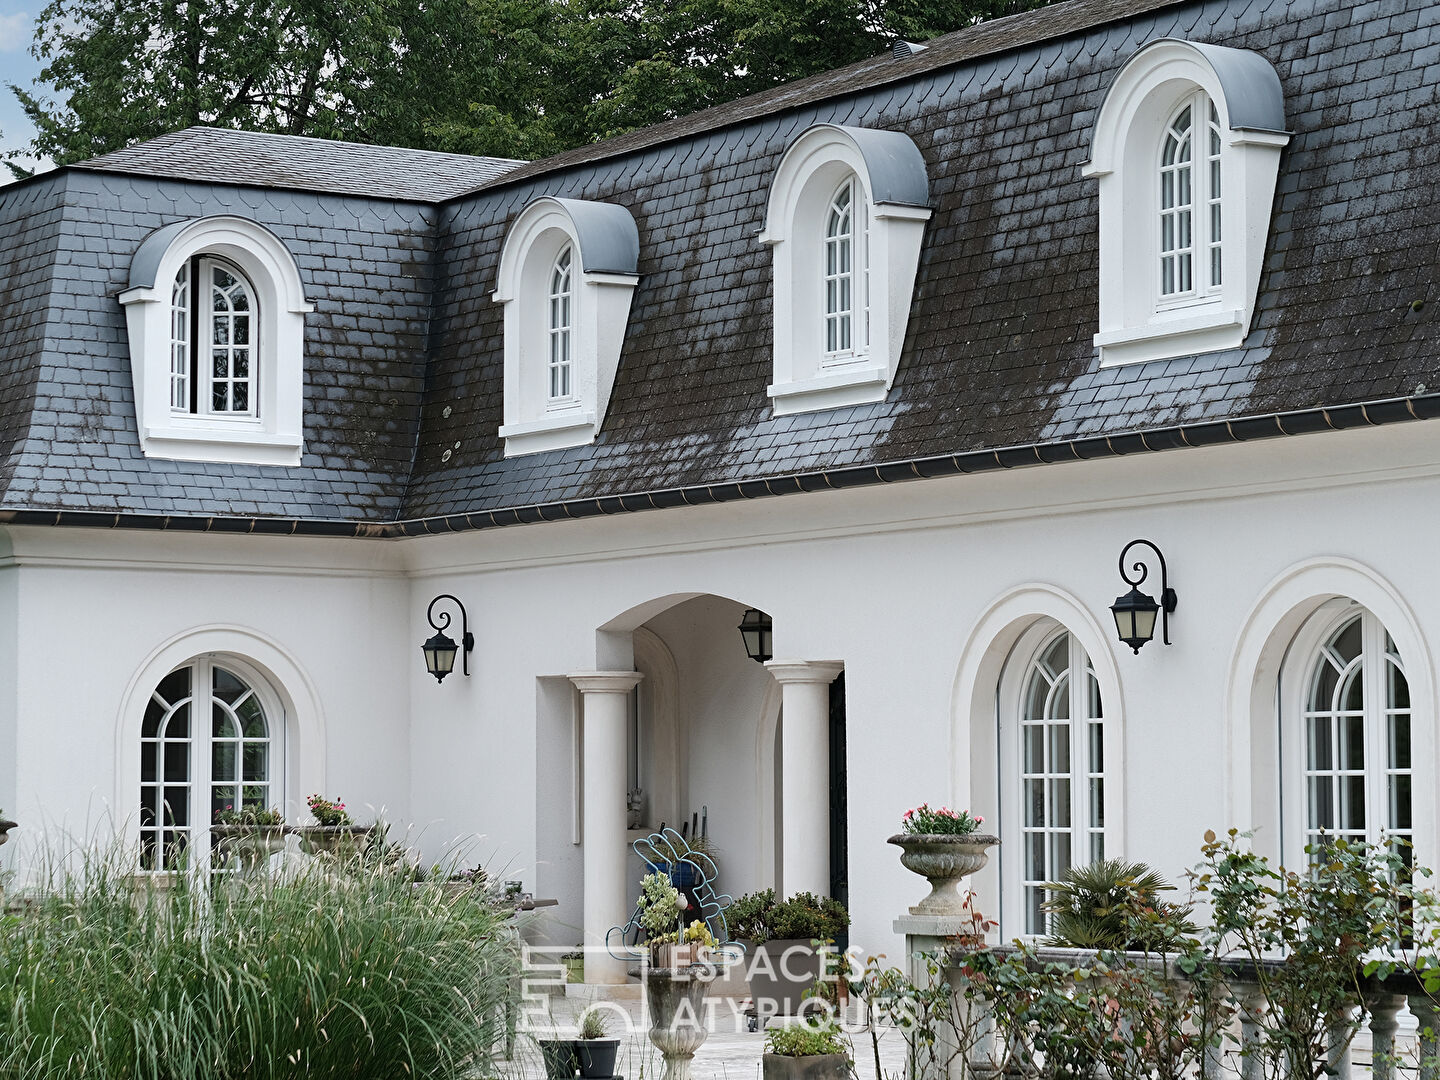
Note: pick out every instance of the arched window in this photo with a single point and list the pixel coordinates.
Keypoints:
(212, 340)
(560, 298)
(209, 741)
(1190, 251)
(1061, 771)
(840, 272)
(1355, 740)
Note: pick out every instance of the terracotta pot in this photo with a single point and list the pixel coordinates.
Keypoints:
(944, 861)
(339, 841)
(251, 845)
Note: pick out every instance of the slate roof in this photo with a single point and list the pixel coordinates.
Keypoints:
(404, 350)
(223, 156)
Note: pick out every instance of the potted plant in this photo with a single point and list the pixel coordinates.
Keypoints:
(594, 1052)
(943, 846)
(334, 832)
(559, 1058)
(676, 949)
(251, 834)
(806, 1052)
(1115, 905)
(661, 908)
(785, 945)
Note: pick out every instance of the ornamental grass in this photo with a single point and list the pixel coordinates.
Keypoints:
(327, 971)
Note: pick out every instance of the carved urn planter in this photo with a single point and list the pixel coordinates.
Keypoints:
(5, 826)
(250, 845)
(677, 1025)
(339, 841)
(944, 860)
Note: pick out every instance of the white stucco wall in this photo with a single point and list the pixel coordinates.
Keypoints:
(901, 583)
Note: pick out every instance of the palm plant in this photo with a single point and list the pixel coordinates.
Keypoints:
(1112, 904)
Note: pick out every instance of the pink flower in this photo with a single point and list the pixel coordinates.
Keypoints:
(979, 820)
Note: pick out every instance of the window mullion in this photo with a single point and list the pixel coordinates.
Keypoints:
(201, 762)
(1377, 816)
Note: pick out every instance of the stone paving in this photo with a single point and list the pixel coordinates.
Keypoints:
(730, 1053)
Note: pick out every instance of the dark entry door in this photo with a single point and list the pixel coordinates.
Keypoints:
(839, 816)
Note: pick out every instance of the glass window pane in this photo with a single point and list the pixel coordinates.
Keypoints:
(1034, 744)
(1399, 742)
(1035, 803)
(257, 761)
(1400, 803)
(1321, 754)
(222, 761)
(1060, 804)
(1059, 747)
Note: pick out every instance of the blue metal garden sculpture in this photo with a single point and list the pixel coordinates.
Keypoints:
(694, 874)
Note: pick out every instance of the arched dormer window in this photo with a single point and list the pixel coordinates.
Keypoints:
(1186, 148)
(567, 276)
(845, 222)
(216, 319)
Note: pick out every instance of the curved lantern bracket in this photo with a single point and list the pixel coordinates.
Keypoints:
(1135, 611)
(440, 649)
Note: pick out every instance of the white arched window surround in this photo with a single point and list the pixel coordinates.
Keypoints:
(1269, 672)
(605, 248)
(1139, 321)
(270, 429)
(885, 176)
(300, 720)
(987, 696)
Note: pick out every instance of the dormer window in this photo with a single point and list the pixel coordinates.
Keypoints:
(560, 302)
(567, 273)
(216, 316)
(216, 378)
(847, 214)
(1187, 151)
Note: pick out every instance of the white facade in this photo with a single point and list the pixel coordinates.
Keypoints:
(920, 590)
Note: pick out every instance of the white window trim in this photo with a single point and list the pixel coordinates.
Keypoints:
(1294, 697)
(599, 311)
(275, 435)
(1014, 683)
(1136, 323)
(885, 259)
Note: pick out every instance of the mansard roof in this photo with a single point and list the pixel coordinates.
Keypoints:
(293, 162)
(404, 355)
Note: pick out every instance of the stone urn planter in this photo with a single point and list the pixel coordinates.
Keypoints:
(251, 845)
(675, 997)
(944, 860)
(814, 1067)
(338, 841)
(5, 826)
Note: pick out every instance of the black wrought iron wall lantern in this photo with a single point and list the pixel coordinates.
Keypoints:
(756, 629)
(1135, 611)
(440, 650)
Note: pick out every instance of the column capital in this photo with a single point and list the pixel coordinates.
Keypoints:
(605, 682)
(805, 671)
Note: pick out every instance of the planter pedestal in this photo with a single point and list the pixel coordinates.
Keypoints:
(252, 845)
(339, 841)
(675, 997)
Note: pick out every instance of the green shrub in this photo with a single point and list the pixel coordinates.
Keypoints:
(759, 917)
(805, 1040)
(326, 972)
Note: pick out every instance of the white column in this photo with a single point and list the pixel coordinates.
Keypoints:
(805, 773)
(606, 713)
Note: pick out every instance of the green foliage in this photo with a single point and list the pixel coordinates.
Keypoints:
(593, 1023)
(1113, 904)
(256, 816)
(512, 78)
(924, 820)
(759, 917)
(325, 973)
(806, 1040)
(660, 907)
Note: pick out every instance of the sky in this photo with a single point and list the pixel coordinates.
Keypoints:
(17, 24)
